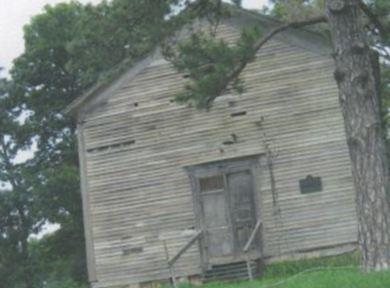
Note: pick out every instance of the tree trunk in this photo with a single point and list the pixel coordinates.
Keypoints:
(356, 76)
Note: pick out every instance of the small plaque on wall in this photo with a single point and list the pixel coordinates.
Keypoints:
(310, 184)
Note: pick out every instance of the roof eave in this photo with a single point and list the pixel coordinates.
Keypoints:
(125, 71)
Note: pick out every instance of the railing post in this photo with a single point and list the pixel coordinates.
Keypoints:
(248, 245)
(170, 266)
(173, 277)
(248, 267)
(171, 261)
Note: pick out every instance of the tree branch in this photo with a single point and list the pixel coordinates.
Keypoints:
(296, 24)
(373, 18)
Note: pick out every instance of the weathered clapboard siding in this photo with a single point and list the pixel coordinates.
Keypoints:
(138, 142)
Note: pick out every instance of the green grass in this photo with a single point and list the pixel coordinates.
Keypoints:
(342, 278)
(331, 272)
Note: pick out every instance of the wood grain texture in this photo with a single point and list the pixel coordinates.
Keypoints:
(139, 143)
(89, 248)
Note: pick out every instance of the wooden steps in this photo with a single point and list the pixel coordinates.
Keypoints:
(231, 272)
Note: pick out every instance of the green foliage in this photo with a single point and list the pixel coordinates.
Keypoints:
(19, 210)
(67, 49)
(63, 283)
(327, 272)
(293, 10)
(289, 268)
(41, 84)
(237, 2)
(54, 263)
(210, 64)
(385, 90)
(381, 9)
(113, 31)
(327, 278)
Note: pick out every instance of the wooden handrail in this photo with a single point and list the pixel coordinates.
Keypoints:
(253, 235)
(185, 248)
(248, 245)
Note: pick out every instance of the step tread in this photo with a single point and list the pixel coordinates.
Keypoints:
(231, 271)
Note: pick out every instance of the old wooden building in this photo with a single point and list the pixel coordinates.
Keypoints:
(171, 190)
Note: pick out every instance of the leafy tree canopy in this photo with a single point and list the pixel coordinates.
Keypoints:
(68, 48)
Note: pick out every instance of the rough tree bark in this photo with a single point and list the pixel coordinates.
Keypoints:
(355, 74)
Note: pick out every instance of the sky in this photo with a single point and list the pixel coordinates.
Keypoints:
(14, 14)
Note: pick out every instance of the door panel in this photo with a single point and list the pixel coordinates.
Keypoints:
(242, 206)
(220, 242)
(218, 235)
(214, 209)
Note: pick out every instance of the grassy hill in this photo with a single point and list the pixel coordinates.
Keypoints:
(332, 272)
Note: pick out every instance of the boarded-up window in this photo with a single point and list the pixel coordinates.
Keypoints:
(211, 183)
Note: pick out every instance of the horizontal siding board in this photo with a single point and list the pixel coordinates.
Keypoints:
(140, 195)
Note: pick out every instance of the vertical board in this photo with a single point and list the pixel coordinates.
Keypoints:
(242, 206)
(219, 239)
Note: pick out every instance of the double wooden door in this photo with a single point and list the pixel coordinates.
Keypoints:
(226, 210)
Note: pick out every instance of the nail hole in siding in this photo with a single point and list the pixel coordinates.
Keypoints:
(238, 114)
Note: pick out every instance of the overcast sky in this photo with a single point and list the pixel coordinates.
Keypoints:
(14, 14)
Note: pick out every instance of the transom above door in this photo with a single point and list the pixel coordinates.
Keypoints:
(225, 207)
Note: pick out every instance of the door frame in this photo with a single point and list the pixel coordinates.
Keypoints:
(226, 166)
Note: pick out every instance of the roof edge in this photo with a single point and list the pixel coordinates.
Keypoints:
(111, 80)
(128, 69)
